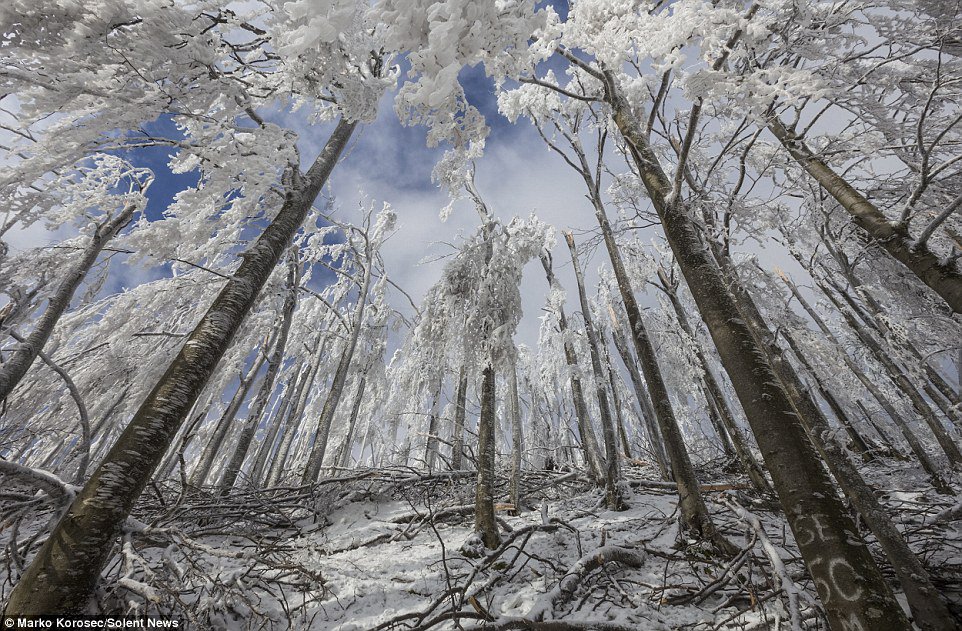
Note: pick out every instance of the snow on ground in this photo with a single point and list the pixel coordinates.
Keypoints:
(392, 549)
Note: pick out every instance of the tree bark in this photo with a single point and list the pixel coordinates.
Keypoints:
(431, 443)
(18, 363)
(857, 441)
(589, 443)
(717, 396)
(460, 412)
(316, 459)
(929, 610)
(65, 571)
(485, 523)
(644, 400)
(614, 498)
(517, 442)
(848, 581)
(616, 404)
(256, 410)
(694, 513)
(942, 277)
(930, 467)
(203, 468)
(348, 446)
(278, 423)
(299, 402)
(898, 376)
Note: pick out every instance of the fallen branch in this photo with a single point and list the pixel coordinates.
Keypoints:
(788, 585)
(577, 574)
(44, 480)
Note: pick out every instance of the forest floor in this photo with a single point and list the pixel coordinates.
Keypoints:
(394, 549)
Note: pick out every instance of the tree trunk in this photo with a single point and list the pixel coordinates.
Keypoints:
(517, 442)
(930, 467)
(858, 442)
(589, 443)
(614, 498)
(299, 402)
(717, 396)
(485, 523)
(256, 410)
(929, 610)
(942, 277)
(694, 513)
(278, 423)
(460, 412)
(203, 468)
(316, 459)
(65, 571)
(616, 404)
(18, 363)
(848, 581)
(347, 447)
(898, 376)
(644, 401)
(431, 442)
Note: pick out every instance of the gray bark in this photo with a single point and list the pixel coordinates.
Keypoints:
(924, 459)
(517, 442)
(825, 534)
(716, 396)
(316, 459)
(19, 361)
(256, 410)
(202, 469)
(485, 523)
(66, 569)
(614, 498)
(460, 412)
(641, 394)
(589, 443)
(941, 276)
(348, 446)
(694, 512)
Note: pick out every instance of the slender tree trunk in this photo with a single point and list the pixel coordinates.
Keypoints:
(616, 404)
(641, 394)
(19, 361)
(614, 497)
(431, 443)
(517, 442)
(944, 278)
(898, 376)
(460, 412)
(884, 437)
(848, 581)
(922, 598)
(278, 423)
(589, 443)
(694, 512)
(929, 610)
(173, 455)
(870, 315)
(714, 418)
(930, 467)
(66, 569)
(316, 459)
(256, 411)
(347, 447)
(716, 396)
(484, 520)
(858, 442)
(203, 468)
(301, 395)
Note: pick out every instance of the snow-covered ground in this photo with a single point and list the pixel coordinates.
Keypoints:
(395, 549)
